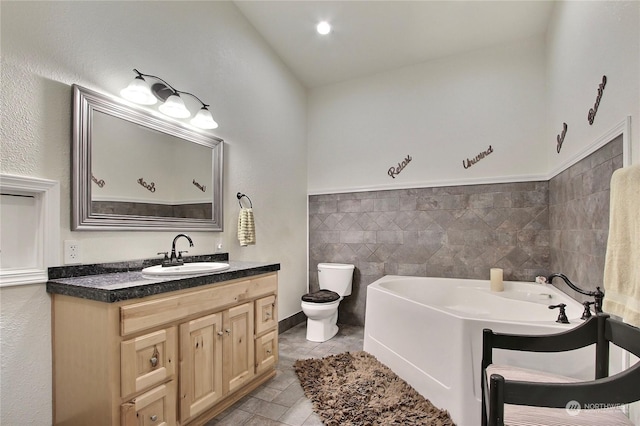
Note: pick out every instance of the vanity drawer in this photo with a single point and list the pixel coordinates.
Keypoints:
(154, 408)
(266, 351)
(147, 360)
(149, 314)
(266, 314)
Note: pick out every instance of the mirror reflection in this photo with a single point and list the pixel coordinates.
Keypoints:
(135, 170)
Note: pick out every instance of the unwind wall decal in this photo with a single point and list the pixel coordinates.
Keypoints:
(468, 163)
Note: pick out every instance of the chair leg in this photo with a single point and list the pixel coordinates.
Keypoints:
(496, 400)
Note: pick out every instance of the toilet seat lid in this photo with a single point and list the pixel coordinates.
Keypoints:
(321, 296)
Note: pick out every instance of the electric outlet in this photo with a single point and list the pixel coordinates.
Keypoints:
(71, 252)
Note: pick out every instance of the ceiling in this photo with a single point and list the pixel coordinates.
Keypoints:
(369, 37)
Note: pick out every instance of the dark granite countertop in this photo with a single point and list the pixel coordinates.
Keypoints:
(113, 282)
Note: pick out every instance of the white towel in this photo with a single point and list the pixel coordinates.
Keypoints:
(246, 227)
(622, 261)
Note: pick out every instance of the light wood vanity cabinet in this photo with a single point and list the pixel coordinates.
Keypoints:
(176, 358)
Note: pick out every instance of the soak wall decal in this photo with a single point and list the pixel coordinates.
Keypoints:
(592, 112)
(393, 171)
(560, 137)
(470, 162)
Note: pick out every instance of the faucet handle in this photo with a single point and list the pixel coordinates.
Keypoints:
(180, 253)
(166, 254)
(562, 315)
(587, 312)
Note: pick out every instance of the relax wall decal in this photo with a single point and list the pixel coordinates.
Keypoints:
(393, 171)
(592, 112)
(560, 137)
(474, 160)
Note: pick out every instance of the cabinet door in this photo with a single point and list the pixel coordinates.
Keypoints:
(266, 316)
(266, 351)
(147, 361)
(200, 364)
(238, 346)
(154, 408)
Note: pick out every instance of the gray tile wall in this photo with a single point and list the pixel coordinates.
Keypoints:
(528, 229)
(459, 231)
(579, 218)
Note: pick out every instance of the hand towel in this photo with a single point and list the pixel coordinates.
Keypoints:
(246, 227)
(622, 261)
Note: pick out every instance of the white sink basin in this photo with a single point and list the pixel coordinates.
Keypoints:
(194, 268)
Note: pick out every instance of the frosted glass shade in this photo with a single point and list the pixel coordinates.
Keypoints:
(138, 91)
(174, 107)
(204, 119)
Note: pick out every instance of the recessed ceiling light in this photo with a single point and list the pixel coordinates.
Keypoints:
(323, 28)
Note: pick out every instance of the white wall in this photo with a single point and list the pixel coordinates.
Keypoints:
(440, 113)
(212, 51)
(586, 41)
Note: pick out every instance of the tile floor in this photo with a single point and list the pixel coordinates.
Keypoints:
(281, 401)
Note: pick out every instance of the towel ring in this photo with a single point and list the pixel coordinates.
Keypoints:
(240, 196)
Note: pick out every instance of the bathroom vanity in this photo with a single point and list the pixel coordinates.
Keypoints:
(135, 350)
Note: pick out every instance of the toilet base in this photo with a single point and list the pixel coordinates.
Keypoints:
(321, 330)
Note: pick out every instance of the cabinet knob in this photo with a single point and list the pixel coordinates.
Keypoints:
(267, 314)
(228, 331)
(268, 351)
(154, 357)
(220, 333)
(153, 418)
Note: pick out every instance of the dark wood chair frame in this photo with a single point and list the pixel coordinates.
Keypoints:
(600, 330)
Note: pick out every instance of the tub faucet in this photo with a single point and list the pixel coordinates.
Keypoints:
(562, 315)
(598, 295)
(176, 260)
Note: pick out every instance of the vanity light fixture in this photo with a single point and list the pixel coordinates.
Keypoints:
(140, 92)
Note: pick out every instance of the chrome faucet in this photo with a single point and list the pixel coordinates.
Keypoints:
(598, 295)
(175, 260)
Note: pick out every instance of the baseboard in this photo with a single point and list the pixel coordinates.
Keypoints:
(292, 321)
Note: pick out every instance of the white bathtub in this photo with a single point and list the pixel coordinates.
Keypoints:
(429, 331)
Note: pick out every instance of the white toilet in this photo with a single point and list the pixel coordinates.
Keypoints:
(321, 307)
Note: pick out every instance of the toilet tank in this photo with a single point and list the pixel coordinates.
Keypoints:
(336, 277)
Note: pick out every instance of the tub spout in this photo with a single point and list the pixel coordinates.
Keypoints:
(598, 294)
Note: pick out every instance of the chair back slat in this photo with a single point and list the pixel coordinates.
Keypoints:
(624, 335)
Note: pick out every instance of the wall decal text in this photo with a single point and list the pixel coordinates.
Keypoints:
(560, 137)
(470, 162)
(393, 171)
(202, 188)
(150, 186)
(592, 112)
(100, 182)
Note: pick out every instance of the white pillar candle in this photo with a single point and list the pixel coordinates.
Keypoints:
(496, 280)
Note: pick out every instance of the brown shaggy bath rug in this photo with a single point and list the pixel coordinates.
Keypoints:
(354, 388)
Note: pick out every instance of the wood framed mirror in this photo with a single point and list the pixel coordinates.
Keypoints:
(136, 170)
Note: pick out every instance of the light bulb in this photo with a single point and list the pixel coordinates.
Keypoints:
(323, 28)
(204, 119)
(138, 91)
(174, 107)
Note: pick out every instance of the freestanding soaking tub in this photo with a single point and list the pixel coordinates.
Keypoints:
(429, 332)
